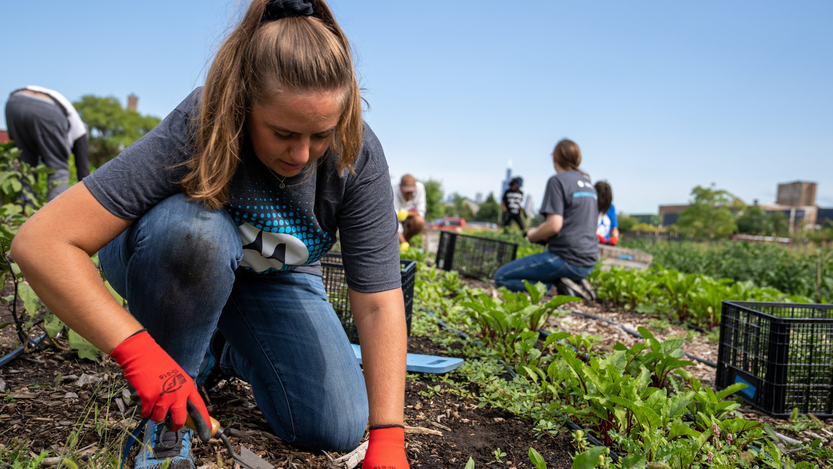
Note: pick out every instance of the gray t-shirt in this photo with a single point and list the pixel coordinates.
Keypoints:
(571, 195)
(280, 229)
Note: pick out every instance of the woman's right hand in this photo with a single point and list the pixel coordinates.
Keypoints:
(159, 381)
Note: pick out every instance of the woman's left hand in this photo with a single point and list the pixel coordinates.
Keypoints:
(386, 447)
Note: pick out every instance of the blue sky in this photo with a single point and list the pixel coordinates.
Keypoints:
(660, 96)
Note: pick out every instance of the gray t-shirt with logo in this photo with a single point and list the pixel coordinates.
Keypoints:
(571, 195)
(280, 229)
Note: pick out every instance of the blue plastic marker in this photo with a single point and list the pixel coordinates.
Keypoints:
(422, 363)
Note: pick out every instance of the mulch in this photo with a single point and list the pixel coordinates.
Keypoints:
(53, 401)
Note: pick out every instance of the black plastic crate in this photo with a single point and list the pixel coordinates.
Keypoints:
(473, 256)
(782, 351)
(332, 270)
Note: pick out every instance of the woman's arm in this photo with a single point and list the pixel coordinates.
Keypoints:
(551, 226)
(380, 321)
(53, 250)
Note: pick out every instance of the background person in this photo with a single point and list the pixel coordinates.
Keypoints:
(46, 128)
(212, 225)
(571, 213)
(608, 229)
(511, 203)
(409, 204)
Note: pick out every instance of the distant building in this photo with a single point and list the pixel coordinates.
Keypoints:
(4, 136)
(478, 198)
(529, 206)
(505, 184)
(796, 200)
(824, 217)
(132, 102)
(797, 194)
(668, 214)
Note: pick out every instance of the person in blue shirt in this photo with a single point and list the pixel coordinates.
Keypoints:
(608, 230)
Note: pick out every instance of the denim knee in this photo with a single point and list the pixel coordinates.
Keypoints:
(189, 237)
(177, 242)
(340, 433)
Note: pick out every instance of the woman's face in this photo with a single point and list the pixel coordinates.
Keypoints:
(294, 129)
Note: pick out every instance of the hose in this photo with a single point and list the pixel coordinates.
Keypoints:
(639, 336)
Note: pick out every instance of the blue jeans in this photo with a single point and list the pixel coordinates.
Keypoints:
(543, 267)
(177, 266)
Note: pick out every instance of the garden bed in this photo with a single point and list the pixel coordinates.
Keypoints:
(697, 344)
(47, 397)
(50, 396)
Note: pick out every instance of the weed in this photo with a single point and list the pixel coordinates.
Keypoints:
(498, 455)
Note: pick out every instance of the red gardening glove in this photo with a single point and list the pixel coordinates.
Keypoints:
(386, 448)
(159, 381)
(602, 239)
(613, 240)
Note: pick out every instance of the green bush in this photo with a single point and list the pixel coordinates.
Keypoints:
(795, 271)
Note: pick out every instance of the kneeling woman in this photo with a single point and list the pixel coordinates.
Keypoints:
(212, 226)
(569, 228)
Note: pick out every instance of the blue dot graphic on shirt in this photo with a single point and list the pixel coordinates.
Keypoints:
(274, 238)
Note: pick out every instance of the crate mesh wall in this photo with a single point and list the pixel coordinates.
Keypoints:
(332, 271)
(783, 351)
(473, 256)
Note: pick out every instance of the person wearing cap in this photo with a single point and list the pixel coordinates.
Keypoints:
(511, 204)
(409, 203)
(46, 128)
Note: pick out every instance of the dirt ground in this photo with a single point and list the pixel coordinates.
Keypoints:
(49, 397)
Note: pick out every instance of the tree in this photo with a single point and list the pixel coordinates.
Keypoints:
(754, 221)
(710, 213)
(779, 224)
(459, 208)
(626, 223)
(434, 207)
(489, 210)
(112, 128)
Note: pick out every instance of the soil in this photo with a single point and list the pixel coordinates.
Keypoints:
(47, 396)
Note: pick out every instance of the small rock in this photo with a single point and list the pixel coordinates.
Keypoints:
(418, 405)
(66, 423)
(70, 395)
(498, 419)
(2, 385)
(86, 380)
(465, 420)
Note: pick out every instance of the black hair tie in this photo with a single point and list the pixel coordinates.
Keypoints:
(277, 9)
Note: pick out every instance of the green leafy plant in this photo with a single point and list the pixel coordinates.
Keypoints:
(536, 459)
(498, 455)
(639, 401)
